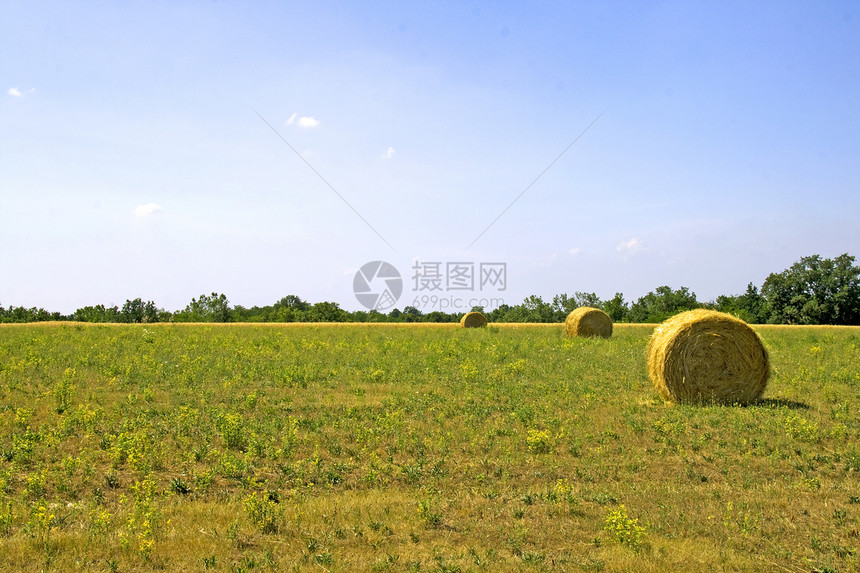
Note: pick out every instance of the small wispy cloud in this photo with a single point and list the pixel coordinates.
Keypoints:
(389, 153)
(631, 247)
(303, 121)
(575, 251)
(15, 92)
(142, 211)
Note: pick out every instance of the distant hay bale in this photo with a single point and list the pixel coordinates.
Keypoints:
(707, 357)
(473, 320)
(587, 321)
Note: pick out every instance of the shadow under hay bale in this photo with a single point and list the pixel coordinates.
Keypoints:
(707, 357)
(473, 320)
(587, 321)
(775, 403)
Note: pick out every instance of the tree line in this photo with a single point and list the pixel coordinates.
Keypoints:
(814, 290)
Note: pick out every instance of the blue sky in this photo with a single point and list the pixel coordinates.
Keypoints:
(134, 161)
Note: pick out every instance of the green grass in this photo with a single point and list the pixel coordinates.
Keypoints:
(433, 448)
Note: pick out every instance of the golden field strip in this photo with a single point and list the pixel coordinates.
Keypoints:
(415, 447)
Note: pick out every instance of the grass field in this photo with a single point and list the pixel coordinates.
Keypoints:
(403, 448)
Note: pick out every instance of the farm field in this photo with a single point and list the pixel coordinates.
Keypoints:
(415, 448)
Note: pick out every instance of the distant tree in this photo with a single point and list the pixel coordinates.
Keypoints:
(293, 302)
(516, 313)
(439, 316)
(616, 308)
(814, 291)
(411, 314)
(749, 307)
(536, 310)
(499, 313)
(374, 315)
(97, 313)
(357, 316)
(22, 314)
(326, 312)
(287, 314)
(212, 308)
(662, 303)
(253, 314)
(138, 311)
(563, 304)
(587, 299)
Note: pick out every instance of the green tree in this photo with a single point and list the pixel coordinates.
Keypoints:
(534, 309)
(814, 290)
(326, 312)
(749, 307)
(662, 303)
(253, 314)
(439, 316)
(138, 311)
(22, 314)
(616, 308)
(292, 301)
(499, 313)
(212, 308)
(563, 304)
(411, 314)
(97, 313)
(374, 315)
(287, 314)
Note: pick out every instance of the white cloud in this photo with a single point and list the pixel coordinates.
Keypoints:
(308, 122)
(147, 210)
(389, 153)
(304, 121)
(575, 251)
(15, 92)
(631, 247)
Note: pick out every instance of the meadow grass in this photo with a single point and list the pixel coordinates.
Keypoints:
(396, 448)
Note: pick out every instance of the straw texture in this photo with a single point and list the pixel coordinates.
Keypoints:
(587, 321)
(707, 357)
(473, 320)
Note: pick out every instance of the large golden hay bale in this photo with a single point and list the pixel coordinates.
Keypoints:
(587, 321)
(707, 357)
(473, 320)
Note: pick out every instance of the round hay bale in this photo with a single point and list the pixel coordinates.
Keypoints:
(473, 320)
(587, 321)
(707, 357)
